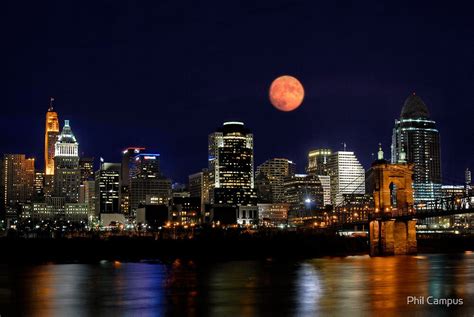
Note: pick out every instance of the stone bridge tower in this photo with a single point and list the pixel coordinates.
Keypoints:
(391, 226)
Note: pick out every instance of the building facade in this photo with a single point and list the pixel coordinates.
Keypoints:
(272, 215)
(304, 194)
(18, 179)
(86, 166)
(416, 135)
(50, 139)
(128, 168)
(347, 176)
(198, 185)
(147, 182)
(107, 188)
(231, 165)
(318, 161)
(67, 174)
(276, 171)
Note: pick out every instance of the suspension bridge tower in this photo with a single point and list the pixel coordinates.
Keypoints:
(391, 224)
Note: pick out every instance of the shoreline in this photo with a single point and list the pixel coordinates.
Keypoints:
(296, 246)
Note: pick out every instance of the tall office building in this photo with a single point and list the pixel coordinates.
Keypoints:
(467, 181)
(304, 194)
(147, 183)
(86, 166)
(347, 176)
(198, 185)
(39, 186)
(326, 184)
(128, 163)
(87, 196)
(276, 170)
(50, 138)
(67, 175)
(231, 167)
(128, 168)
(416, 135)
(318, 161)
(107, 188)
(18, 176)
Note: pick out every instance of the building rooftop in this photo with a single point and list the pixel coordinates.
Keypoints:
(414, 108)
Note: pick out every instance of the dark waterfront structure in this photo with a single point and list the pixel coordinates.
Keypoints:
(416, 135)
(231, 165)
(67, 175)
(186, 210)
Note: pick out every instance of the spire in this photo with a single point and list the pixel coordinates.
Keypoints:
(380, 152)
(51, 104)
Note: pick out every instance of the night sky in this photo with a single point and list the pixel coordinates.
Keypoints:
(164, 74)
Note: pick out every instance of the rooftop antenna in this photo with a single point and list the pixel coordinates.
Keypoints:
(51, 104)
(344, 145)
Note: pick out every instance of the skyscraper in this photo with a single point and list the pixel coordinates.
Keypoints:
(107, 188)
(199, 186)
(231, 167)
(86, 166)
(147, 183)
(39, 186)
(416, 137)
(276, 170)
(317, 161)
(347, 176)
(304, 194)
(67, 175)
(128, 167)
(18, 176)
(50, 138)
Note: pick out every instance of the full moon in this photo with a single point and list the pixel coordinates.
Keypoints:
(286, 93)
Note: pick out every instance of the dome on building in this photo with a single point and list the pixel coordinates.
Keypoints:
(414, 108)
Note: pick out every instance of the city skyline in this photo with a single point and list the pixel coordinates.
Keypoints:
(300, 166)
(147, 77)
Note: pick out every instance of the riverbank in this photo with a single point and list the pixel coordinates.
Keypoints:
(218, 245)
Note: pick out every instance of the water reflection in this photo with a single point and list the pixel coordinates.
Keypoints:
(327, 286)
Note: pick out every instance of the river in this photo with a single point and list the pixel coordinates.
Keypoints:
(342, 286)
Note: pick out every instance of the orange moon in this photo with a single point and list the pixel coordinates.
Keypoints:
(286, 93)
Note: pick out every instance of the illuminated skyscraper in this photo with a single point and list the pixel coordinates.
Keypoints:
(317, 161)
(199, 186)
(416, 139)
(18, 176)
(147, 184)
(107, 188)
(128, 167)
(86, 165)
(304, 194)
(67, 174)
(347, 176)
(231, 169)
(39, 186)
(50, 138)
(276, 170)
